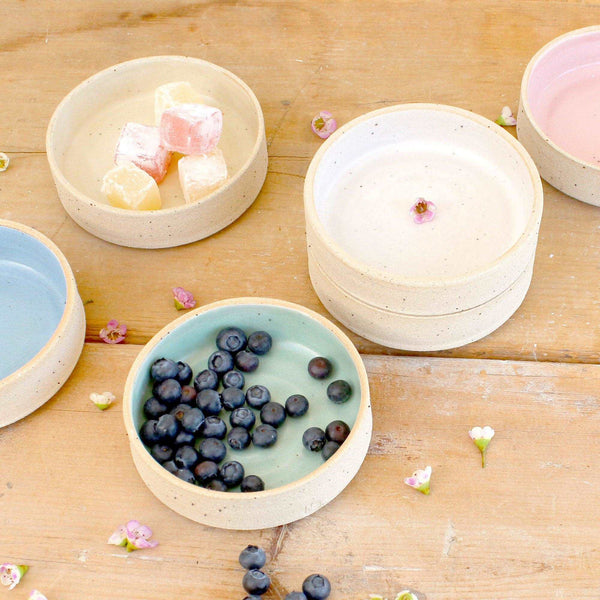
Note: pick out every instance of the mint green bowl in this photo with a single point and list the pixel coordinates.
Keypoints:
(297, 481)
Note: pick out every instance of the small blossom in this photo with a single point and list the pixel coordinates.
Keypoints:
(406, 595)
(323, 124)
(423, 210)
(133, 536)
(11, 575)
(35, 595)
(420, 480)
(506, 118)
(103, 400)
(183, 299)
(482, 436)
(4, 162)
(113, 333)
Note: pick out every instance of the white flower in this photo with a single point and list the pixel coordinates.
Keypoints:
(482, 436)
(420, 480)
(103, 400)
(35, 595)
(506, 118)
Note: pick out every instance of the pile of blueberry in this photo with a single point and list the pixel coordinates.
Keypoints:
(256, 582)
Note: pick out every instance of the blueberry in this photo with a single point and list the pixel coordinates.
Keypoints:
(184, 376)
(242, 417)
(272, 413)
(233, 379)
(188, 394)
(232, 398)
(168, 391)
(212, 449)
(217, 485)
(161, 452)
(314, 439)
(316, 587)
(183, 438)
(296, 405)
(260, 342)
(238, 438)
(179, 411)
(186, 457)
(319, 367)
(256, 582)
(170, 466)
(213, 427)
(206, 380)
(185, 475)
(154, 408)
(231, 474)
(246, 361)
(232, 339)
(337, 431)
(339, 391)
(252, 483)
(148, 432)
(163, 368)
(209, 402)
(329, 449)
(220, 361)
(257, 396)
(295, 596)
(192, 420)
(264, 435)
(252, 597)
(252, 557)
(206, 471)
(167, 427)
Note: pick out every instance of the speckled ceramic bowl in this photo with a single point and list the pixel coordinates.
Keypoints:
(85, 127)
(297, 482)
(559, 121)
(42, 322)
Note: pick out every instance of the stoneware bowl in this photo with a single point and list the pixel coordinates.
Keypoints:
(297, 482)
(42, 322)
(85, 127)
(363, 243)
(559, 120)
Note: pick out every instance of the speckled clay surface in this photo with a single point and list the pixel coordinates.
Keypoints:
(297, 481)
(83, 133)
(558, 120)
(41, 308)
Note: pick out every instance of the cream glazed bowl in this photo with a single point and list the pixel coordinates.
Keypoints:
(376, 269)
(42, 322)
(83, 133)
(297, 482)
(558, 120)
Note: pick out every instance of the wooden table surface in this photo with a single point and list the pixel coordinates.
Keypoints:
(525, 527)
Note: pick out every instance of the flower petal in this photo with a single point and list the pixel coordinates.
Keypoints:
(4, 162)
(35, 595)
(323, 124)
(119, 537)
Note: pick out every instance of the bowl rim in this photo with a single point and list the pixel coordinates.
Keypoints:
(61, 179)
(358, 265)
(553, 43)
(247, 497)
(72, 296)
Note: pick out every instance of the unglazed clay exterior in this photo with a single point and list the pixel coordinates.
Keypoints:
(35, 382)
(84, 129)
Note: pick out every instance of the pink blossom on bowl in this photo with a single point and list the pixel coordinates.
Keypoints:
(423, 210)
(506, 118)
(11, 575)
(323, 124)
(35, 595)
(134, 536)
(183, 299)
(420, 480)
(113, 333)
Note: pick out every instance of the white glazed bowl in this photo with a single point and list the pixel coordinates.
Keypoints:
(297, 481)
(358, 191)
(558, 120)
(85, 127)
(42, 322)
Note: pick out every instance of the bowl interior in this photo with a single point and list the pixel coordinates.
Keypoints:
(297, 338)
(33, 295)
(88, 122)
(377, 167)
(563, 91)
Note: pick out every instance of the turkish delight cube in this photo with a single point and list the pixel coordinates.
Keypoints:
(191, 128)
(128, 186)
(201, 174)
(171, 94)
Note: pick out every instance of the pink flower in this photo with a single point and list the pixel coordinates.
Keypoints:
(423, 210)
(113, 333)
(323, 124)
(35, 595)
(420, 480)
(134, 536)
(11, 575)
(183, 299)
(506, 118)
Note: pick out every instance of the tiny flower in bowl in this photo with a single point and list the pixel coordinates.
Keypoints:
(506, 118)
(482, 436)
(134, 536)
(423, 210)
(11, 575)
(103, 400)
(323, 124)
(4, 162)
(420, 480)
(113, 333)
(183, 299)
(35, 595)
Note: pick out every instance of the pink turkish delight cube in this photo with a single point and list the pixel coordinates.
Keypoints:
(191, 128)
(142, 146)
